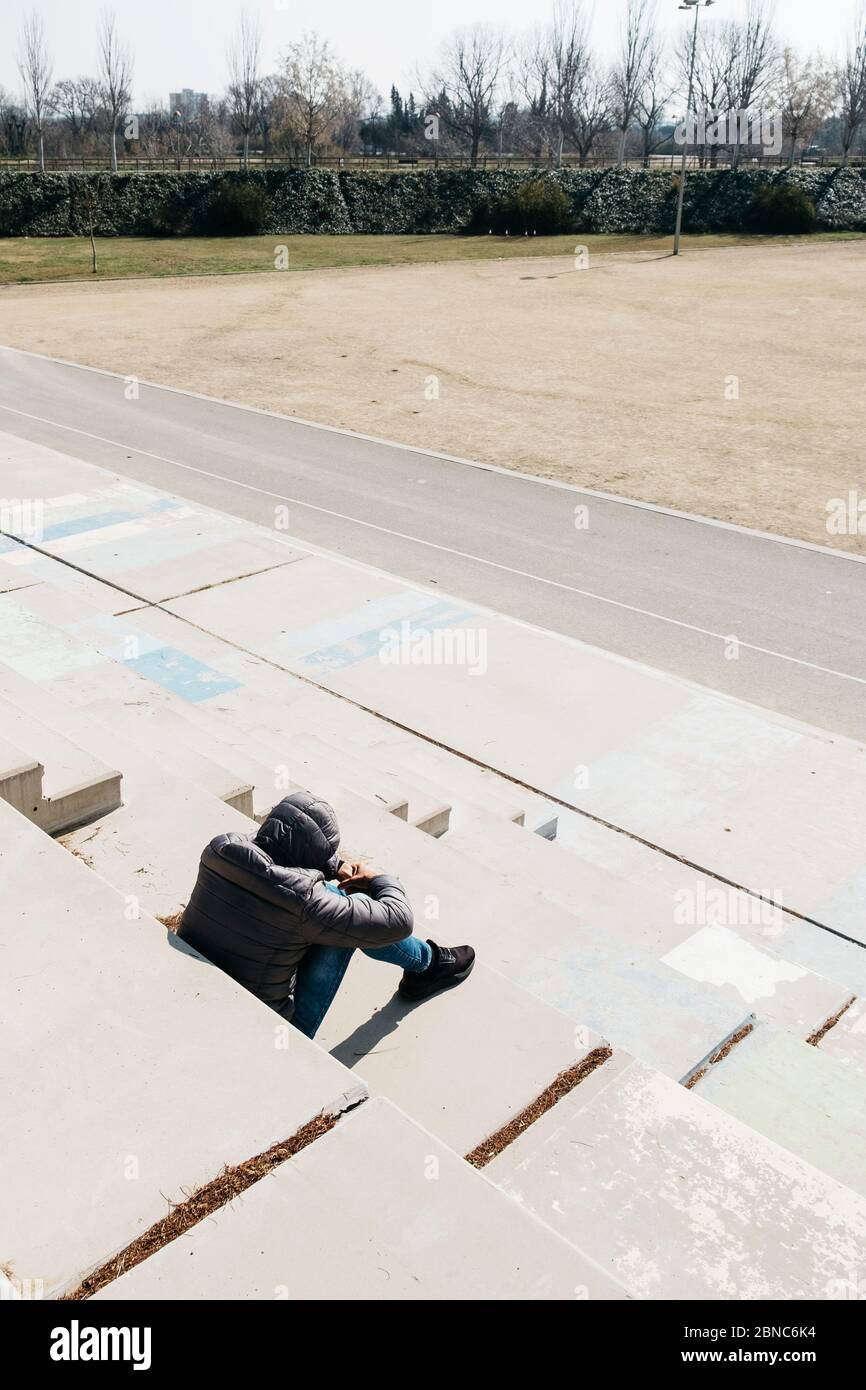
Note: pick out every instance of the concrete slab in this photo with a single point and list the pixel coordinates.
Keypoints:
(695, 1204)
(132, 1069)
(640, 934)
(463, 1063)
(318, 1228)
(846, 1042)
(798, 1096)
(134, 536)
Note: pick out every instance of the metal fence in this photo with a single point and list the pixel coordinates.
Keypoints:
(191, 164)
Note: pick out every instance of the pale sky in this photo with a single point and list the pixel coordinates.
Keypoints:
(182, 43)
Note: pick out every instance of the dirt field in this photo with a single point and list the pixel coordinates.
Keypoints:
(728, 383)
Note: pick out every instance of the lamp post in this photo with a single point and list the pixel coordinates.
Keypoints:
(697, 6)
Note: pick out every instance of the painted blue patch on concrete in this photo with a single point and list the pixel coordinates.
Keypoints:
(182, 674)
(114, 637)
(99, 522)
(363, 646)
(378, 613)
(7, 545)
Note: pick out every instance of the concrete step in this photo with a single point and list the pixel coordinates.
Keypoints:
(846, 1041)
(469, 787)
(375, 1209)
(541, 949)
(318, 758)
(798, 1096)
(254, 697)
(463, 1064)
(678, 1199)
(65, 666)
(92, 669)
(107, 730)
(641, 921)
(133, 1071)
(47, 778)
(408, 757)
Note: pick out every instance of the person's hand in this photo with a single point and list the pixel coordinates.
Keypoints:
(355, 878)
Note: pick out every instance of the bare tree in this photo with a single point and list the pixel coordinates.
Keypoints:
(357, 98)
(805, 94)
(532, 75)
(852, 86)
(655, 93)
(115, 74)
(753, 54)
(244, 56)
(470, 68)
(712, 75)
(637, 43)
(313, 81)
(590, 113)
(568, 60)
(13, 126)
(35, 66)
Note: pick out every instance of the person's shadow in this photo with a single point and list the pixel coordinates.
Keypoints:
(366, 1037)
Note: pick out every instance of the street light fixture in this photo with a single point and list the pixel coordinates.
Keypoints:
(688, 6)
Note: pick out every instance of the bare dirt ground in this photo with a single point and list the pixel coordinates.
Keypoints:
(729, 383)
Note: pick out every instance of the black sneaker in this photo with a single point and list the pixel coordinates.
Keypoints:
(450, 965)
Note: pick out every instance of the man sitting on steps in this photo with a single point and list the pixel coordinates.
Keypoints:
(281, 912)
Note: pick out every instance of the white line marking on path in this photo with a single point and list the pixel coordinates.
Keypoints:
(444, 549)
(559, 483)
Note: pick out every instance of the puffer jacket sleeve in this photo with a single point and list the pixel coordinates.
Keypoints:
(366, 920)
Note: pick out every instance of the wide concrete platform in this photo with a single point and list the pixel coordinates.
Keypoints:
(133, 1071)
(376, 1209)
(678, 1199)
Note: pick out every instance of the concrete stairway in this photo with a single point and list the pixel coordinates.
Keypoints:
(381, 1210)
(619, 992)
(49, 779)
(123, 694)
(747, 1186)
(678, 1199)
(133, 1071)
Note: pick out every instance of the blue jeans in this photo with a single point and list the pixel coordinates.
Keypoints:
(321, 971)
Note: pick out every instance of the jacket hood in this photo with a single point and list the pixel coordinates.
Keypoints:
(301, 832)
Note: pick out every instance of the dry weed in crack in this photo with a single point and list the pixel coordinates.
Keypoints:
(230, 1183)
(559, 1087)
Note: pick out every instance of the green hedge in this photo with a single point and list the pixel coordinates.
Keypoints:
(448, 200)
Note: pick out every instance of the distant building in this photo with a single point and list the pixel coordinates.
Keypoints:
(189, 103)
